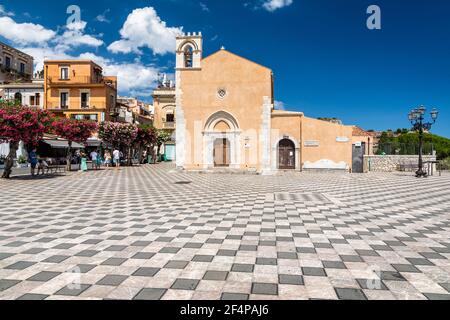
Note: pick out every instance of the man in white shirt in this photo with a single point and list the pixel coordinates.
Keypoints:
(116, 158)
(94, 158)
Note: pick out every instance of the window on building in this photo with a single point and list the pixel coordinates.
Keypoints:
(18, 97)
(8, 62)
(22, 67)
(170, 117)
(32, 101)
(64, 99)
(188, 57)
(38, 99)
(92, 117)
(64, 73)
(85, 100)
(113, 102)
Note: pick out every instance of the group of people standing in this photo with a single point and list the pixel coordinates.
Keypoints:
(108, 159)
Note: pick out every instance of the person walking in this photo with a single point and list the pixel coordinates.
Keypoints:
(33, 159)
(94, 158)
(108, 158)
(84, 166)
(116, 158)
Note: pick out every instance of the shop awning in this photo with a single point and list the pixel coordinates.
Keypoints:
(93, 143)
(62, 144)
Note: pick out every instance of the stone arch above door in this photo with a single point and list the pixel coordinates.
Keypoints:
(275, 152)
(221, 116)
(222, 126)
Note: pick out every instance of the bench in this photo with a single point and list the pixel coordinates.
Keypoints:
(407, 167)
(55, 169)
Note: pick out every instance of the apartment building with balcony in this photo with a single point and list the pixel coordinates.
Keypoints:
(15, 65)
(78, 89)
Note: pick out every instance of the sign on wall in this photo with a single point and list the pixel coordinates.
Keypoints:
(342, 139)
(312, 143)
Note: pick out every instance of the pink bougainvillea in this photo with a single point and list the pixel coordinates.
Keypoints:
(118, 134)
(74, 130)
(19, 123)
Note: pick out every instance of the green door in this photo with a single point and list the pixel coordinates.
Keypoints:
(170, 152)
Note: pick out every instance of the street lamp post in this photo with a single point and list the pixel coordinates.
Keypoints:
(417, 118)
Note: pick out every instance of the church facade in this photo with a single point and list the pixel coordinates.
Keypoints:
(225, 118)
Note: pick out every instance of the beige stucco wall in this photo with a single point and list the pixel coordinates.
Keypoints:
(367, 140)
(246, 83)
(326, 134)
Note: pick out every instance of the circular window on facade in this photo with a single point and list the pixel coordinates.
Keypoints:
(222, 93)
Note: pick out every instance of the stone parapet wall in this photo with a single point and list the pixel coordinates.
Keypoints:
(391, 163)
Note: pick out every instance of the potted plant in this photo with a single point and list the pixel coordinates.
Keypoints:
(22, 162)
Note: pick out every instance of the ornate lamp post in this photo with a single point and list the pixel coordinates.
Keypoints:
(417, 118)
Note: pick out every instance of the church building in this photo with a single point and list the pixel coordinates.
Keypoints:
(225, 118)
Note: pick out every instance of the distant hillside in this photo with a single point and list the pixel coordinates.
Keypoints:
(440, 144)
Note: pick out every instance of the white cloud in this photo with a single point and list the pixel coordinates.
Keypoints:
(272, 5)
(24, 33)
(102, 17)
(204, 7)
(3, 11)
(145, 29)
(134, 78)
(279, 105)
(74, 36)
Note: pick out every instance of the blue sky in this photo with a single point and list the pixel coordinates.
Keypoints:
(326, 62)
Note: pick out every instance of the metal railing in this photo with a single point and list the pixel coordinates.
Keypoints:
(402, 149)
(80, 80)
(169, 125)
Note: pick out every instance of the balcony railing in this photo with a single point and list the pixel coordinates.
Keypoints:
(169, 125)
(80, 80)
(57, 106)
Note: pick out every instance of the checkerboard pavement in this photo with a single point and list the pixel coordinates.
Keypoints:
(155, 233)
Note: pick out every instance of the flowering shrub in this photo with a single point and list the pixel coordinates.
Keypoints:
(18, 123)
(74, 131)
(146, 139)
(118, 134)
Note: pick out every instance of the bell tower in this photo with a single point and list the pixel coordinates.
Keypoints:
(189, 51)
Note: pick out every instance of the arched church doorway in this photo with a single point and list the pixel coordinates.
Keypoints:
(286, 155)
(222, 153)
(221, 139)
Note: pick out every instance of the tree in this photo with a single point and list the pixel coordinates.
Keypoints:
(146, 139)
(19, 123)
(74, 131)
(163, 137)
(119, 135)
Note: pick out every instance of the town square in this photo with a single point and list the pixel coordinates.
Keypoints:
(153, 233)
(151, 155)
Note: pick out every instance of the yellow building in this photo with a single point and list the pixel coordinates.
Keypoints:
(164, 115)
(78, 89)
(225, 118)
